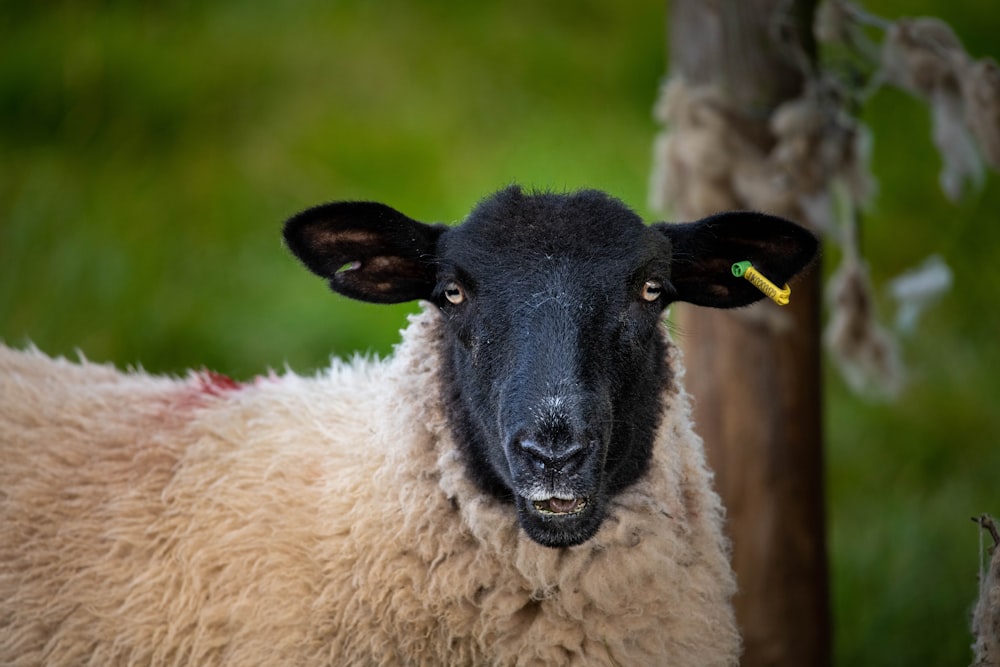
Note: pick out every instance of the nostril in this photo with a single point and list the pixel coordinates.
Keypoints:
(532, 447)
(570, 451)
(538, 455)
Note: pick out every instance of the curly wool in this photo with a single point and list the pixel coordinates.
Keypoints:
(325, 521)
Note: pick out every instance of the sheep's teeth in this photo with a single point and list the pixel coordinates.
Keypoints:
(560, 506)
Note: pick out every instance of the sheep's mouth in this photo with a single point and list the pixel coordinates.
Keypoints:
(561, 521)
(559, 506)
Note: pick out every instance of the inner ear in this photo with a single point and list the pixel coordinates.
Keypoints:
(366, 250)
(703, 253)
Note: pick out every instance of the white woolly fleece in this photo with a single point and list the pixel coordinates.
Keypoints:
(325, 521)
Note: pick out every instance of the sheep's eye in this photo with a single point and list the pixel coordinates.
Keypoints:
(651, 290)
(454, 293)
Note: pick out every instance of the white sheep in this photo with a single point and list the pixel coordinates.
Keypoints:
(519, 484)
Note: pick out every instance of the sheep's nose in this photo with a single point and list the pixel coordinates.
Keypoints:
(556, 456)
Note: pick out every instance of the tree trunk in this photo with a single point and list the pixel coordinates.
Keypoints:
(755, 374)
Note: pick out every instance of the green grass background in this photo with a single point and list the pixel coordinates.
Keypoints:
(149, 153)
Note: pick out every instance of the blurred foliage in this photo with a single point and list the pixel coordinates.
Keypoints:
(149, 153)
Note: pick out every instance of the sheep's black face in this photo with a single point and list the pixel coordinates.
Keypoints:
(553, 362)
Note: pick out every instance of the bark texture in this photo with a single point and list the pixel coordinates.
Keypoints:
(755, 374)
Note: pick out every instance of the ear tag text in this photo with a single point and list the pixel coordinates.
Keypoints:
(780, 295)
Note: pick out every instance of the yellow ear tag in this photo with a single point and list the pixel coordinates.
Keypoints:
(779, 295)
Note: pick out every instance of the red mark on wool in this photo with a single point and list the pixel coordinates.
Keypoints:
(216, 384)
(203, 386)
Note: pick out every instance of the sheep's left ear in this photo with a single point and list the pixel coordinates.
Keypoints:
(705, 251)
(366, 250)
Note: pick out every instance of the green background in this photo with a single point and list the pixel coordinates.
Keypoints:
(149, 153)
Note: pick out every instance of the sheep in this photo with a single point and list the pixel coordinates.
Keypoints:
(517, 484)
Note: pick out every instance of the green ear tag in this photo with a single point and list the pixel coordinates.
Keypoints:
(739, 268)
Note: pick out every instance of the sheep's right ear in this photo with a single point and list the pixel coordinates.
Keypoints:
(705, 251)
(366, 250)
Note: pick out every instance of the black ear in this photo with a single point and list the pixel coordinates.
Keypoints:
(705, 251)
(367, 251)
